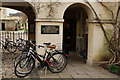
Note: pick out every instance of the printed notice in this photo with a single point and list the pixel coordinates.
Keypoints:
(49, 29)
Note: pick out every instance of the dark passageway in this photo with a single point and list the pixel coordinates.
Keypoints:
(76, 17)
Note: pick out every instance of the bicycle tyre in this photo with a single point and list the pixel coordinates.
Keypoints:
(21, 46)
(19, 57)
(24, 74)
(11, 45)
(3, 48)
(58, 69)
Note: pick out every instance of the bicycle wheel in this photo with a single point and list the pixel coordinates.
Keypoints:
(19, 57)
(3, 48)
(24, 67)
(57, 62)
(11, 47)
(21, 46)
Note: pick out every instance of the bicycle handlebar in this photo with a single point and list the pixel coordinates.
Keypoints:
(36, 45)
(40, 46)
(47, 46)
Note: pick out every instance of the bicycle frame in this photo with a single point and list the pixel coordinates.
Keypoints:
(35, 55)
(18, 41)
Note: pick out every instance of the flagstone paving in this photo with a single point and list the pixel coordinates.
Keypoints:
(76, 68)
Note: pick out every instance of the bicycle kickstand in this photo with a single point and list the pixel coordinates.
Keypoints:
(45, 68)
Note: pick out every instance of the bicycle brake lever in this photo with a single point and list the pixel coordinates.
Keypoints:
(40, 46)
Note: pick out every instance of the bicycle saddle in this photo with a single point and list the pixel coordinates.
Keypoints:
(46, 43)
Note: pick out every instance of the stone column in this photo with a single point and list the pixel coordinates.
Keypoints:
(97, 46)
(31, 31)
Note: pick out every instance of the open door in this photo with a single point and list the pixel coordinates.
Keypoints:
(82, 35)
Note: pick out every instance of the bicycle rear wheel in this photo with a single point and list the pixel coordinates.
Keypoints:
(24, 67)
(21, 46)
(11, 47)
(58, 62)
(3, 48)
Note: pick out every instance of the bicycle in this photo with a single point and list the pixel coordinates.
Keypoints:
(20, 43)
(24, 52)
(54, 60)
(8, 45)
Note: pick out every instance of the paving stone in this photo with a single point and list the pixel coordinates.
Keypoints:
(64, 75)
(80, 76)
(49, 75)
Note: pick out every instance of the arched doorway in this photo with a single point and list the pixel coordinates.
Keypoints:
(76, 16)
(28, 10)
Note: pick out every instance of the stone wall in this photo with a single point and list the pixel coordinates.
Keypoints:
(51, 13)
(9, 25)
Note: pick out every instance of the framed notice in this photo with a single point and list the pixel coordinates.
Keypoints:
(49, 29)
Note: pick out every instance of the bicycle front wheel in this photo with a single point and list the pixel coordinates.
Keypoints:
(19, 57)
(11, 47)
(24, 67)
(57, 62)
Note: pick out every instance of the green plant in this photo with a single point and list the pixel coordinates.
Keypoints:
(114, 68)
(21, 29)
(19, 26)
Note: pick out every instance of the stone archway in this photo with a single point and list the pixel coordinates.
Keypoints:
(78, 15)
(28, 10)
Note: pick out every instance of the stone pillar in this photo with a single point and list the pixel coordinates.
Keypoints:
(53, 38)
(97, 46)
(31, 31)
(0, 26)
